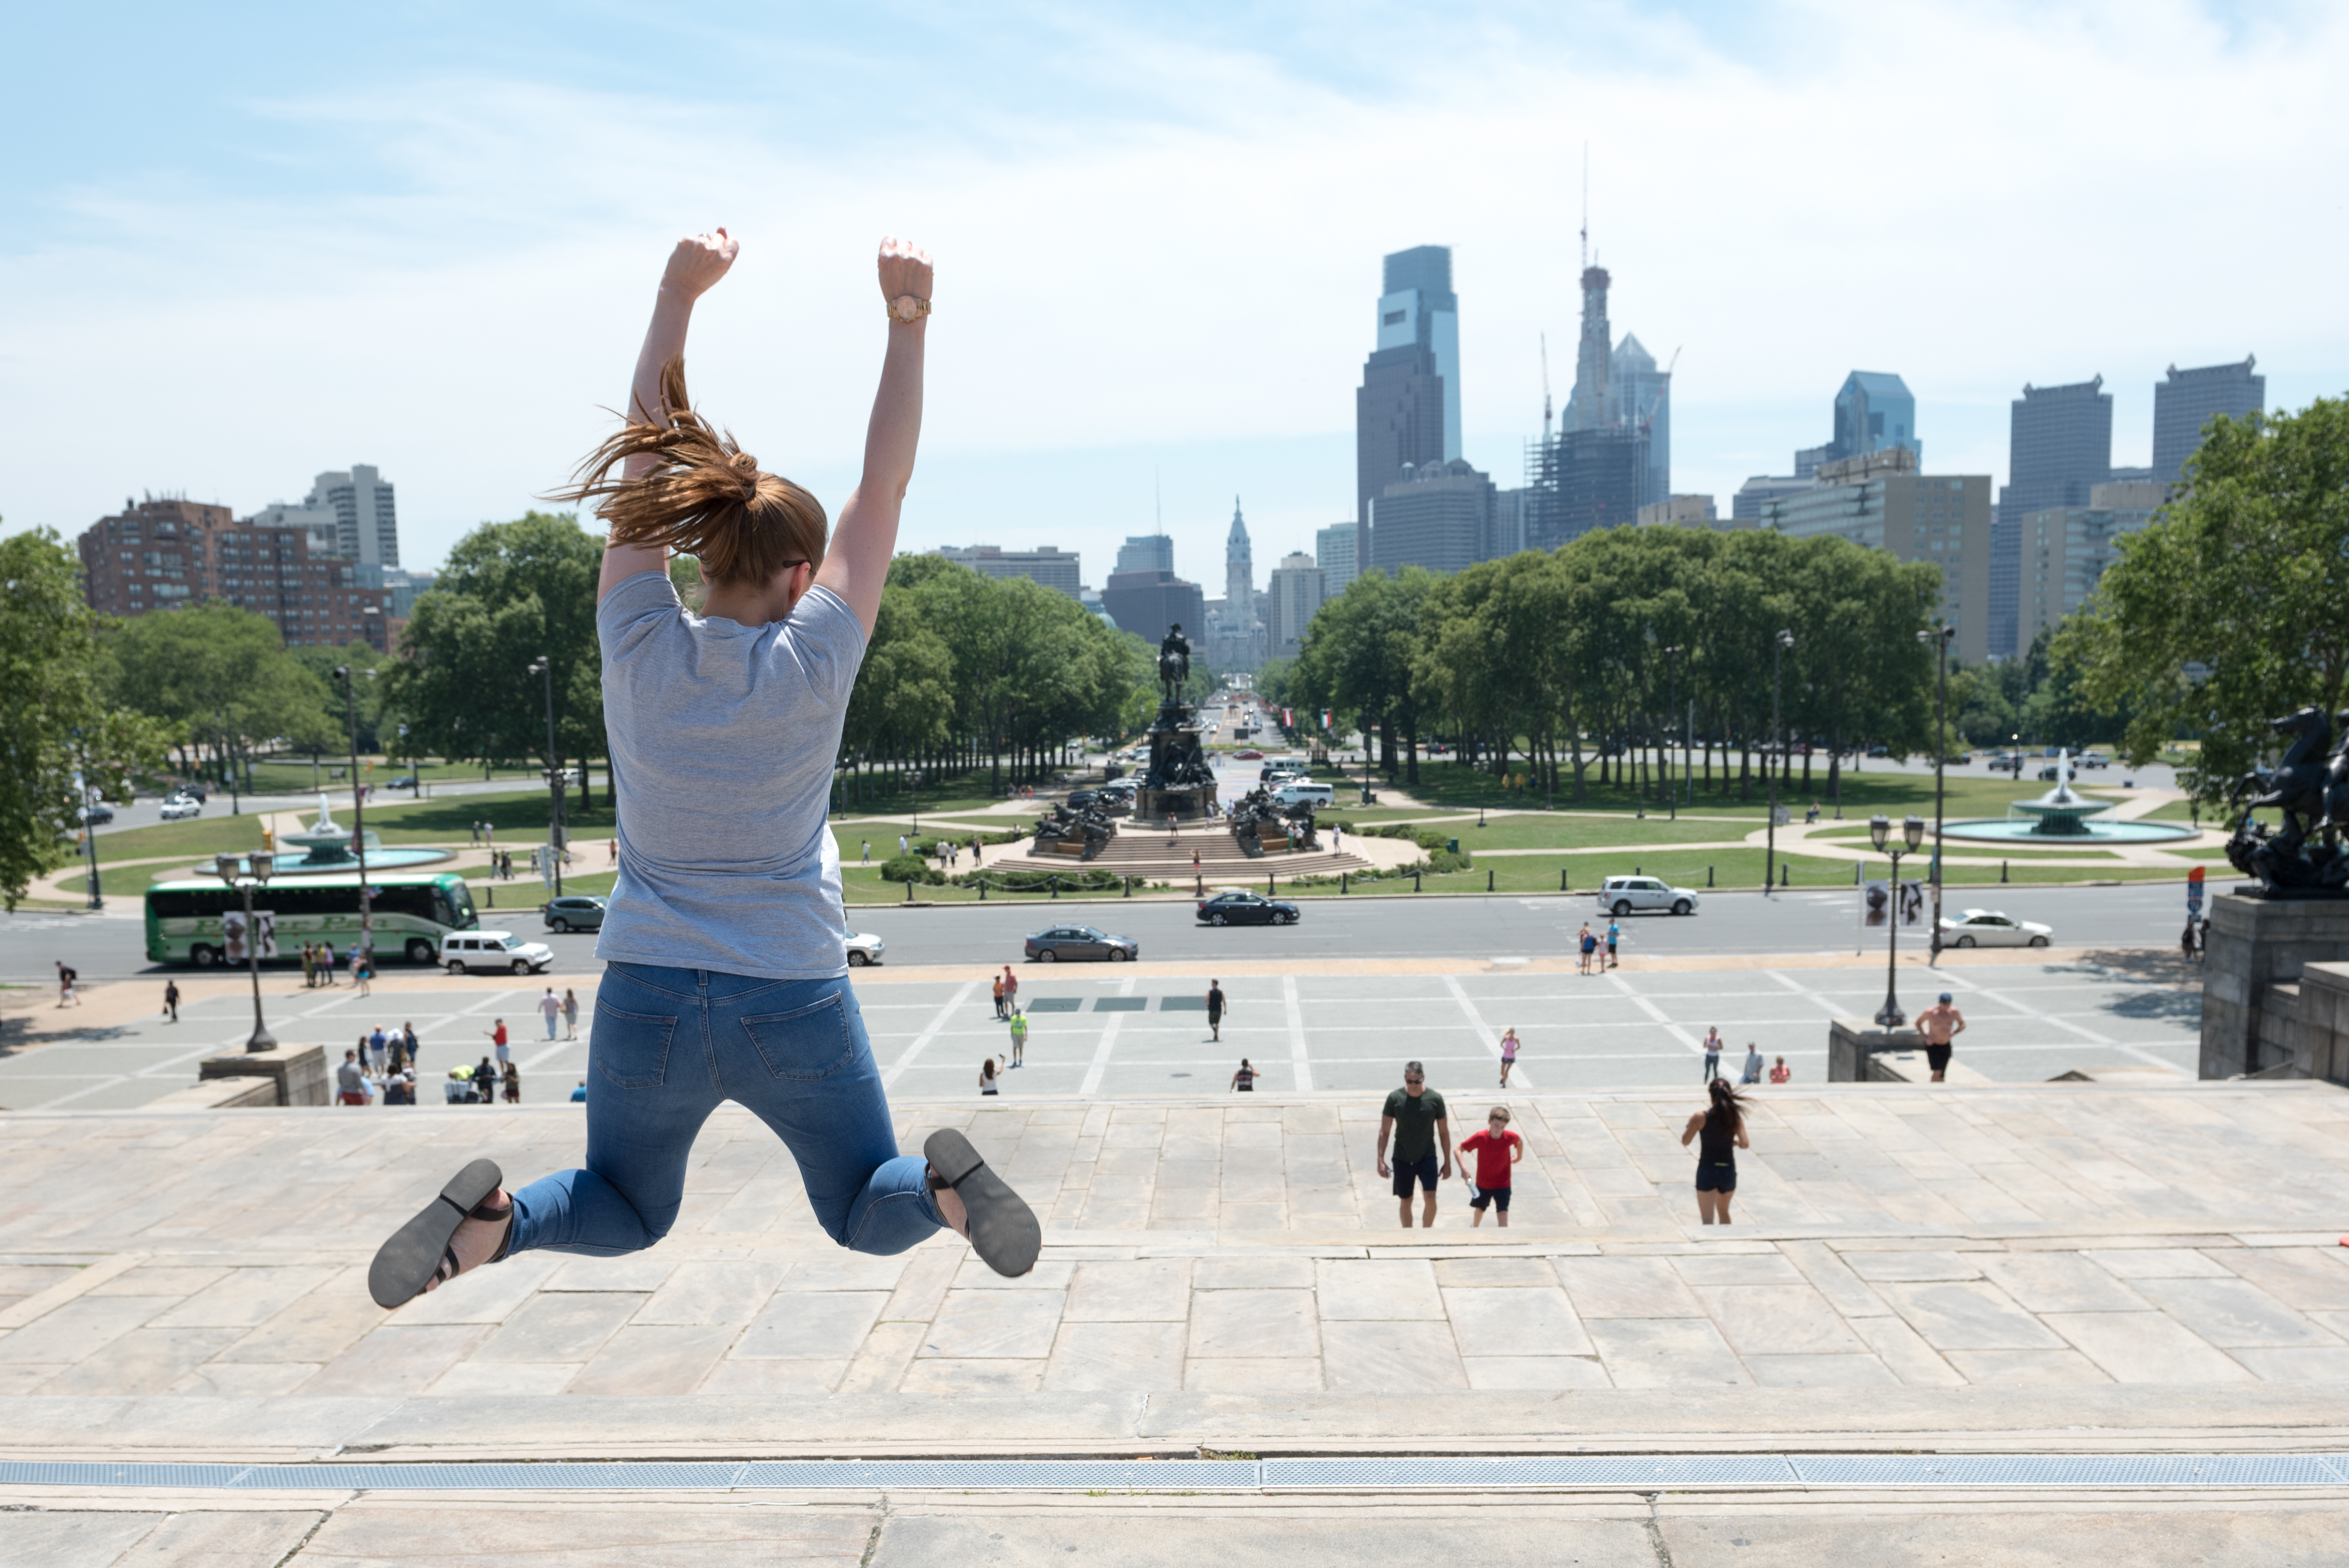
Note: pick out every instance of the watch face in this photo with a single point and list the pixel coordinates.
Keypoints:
(905, 307)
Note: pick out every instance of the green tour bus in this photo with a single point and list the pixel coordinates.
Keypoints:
(410, 913)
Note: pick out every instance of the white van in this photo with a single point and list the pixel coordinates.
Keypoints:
(1304, 793)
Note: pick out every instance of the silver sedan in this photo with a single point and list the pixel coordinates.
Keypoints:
(1989, 928)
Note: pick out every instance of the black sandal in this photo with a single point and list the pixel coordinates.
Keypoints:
(419, 1254)
(1003, 1228)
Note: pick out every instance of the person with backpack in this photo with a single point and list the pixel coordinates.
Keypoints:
(1589, 944)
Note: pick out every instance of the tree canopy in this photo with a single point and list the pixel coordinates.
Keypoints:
(55, 720)
(2232, 606)
(509, 593)
(224, 683)
(1591, 652)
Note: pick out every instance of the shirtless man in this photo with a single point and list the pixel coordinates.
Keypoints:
(1940, 1024)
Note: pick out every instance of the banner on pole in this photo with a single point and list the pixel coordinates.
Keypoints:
(1877, 904)
(264, 931)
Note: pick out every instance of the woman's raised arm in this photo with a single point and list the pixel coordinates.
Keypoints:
(857, 561)
(697, 263)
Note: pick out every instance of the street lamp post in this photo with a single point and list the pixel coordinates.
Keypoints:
(544, 666)
(228, 766)
(1880, 833)
(347, 676)
(1938, 636)
(1778, 646)
(1671, 786)
(226, 868)
(89, 828)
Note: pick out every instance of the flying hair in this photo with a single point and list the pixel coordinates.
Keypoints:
(1728, 1101)
(703, 495)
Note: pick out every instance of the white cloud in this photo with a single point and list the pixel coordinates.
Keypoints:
(1178, 262)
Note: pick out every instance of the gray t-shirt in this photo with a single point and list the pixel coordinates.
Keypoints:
(722, 738)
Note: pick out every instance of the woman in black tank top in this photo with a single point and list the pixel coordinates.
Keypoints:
(1720, 1129)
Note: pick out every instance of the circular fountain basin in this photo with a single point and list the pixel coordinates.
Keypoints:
(2087, 833)
(377, 859)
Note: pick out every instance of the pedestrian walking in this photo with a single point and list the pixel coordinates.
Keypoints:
(550, 1008)
(1752, 1073)
(327, 965)
(864, 851)
(1018, 1039)
(408, 1041)
(497, 1033)
(1780, 1072)
(1712, 1052)
(1508, 1053)
(351, 1083)
(1589, 945)
(1722, 1129)
(611, 850)
(378, 1044)
(1497, 1148)
(999, 1013)
(1215, 1009)
(485, 1082)
(1614, 935)
(309, 965)
(172, 1000)
(570, 1013)
(901, 843)
(1941, 1024)
(723, 733)
(477, 833)
(361, 974)
(1416, 1119)
(513, 1084)
(66, 975)
(2186, 942)
(490, 833)
(1011, 989)
(987, 1075)
(1244, 1080)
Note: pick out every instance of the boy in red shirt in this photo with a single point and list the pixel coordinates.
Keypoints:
(1495, 1148)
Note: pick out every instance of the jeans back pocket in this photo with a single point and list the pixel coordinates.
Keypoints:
(807, 1043)
(631, 1050)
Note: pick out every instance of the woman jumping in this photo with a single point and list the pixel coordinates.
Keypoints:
(727, 969)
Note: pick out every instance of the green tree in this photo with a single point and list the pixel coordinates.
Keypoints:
(511, 593)
(224, 682)
(55, 722)
(2232, 606)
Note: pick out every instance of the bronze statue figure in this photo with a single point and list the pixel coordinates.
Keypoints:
(1174, 661)
(2310, 790)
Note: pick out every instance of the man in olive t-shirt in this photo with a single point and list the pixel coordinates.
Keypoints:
(1414, 1119)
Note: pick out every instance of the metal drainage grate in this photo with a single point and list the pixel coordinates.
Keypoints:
(2071, 1470)
(1564, 1469)
(1923, 1472)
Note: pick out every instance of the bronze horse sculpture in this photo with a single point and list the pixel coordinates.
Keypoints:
(2308, 788)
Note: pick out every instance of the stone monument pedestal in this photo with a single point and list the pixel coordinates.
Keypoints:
(2252, 985)
(1853, 1045)
(297, 1074)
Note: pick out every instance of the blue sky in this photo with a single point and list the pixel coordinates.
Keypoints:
(244, 244)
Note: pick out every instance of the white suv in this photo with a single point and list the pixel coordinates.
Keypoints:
(493, 951)
(1621, 896)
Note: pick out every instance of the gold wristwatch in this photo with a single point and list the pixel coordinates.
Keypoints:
(907, 308)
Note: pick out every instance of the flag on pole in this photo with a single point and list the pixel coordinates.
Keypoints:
(1325, 718)
(1288, 719)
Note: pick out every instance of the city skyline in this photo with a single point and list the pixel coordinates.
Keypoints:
(389, 180)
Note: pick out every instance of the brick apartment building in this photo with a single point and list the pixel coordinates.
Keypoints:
(165, 554)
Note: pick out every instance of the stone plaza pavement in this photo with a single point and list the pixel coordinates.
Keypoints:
(1139, 1030)
(2023, 1267)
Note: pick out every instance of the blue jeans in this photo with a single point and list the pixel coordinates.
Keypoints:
(669, 1046)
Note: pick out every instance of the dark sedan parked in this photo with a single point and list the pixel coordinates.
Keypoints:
(575, 914)
(1069, 944)
(1246, 909)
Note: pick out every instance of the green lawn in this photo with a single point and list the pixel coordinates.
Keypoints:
(295, 778)
(1740, 869)
(1558, 831)
(207, 835)
(520, 819)
(1865, 793)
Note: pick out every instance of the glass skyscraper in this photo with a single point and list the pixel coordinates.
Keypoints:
(2185, 401)
(2060, 443)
